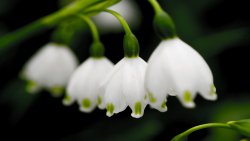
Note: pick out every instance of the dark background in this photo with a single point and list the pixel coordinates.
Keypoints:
(218, 29)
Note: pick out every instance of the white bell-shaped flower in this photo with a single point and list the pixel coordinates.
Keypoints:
(127, 8)
(50, 68)
(84, 83)
(124, 86)
(177, 69)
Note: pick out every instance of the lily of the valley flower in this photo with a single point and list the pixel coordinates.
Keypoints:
(84, 83)
(124, 86)
(50, 68)
(127, 8)
(177, 69)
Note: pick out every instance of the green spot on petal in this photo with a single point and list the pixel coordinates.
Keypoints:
(138, 108)
(31, 86)
(99, 100)
(151, 98)
(67, 98)
(187, 97)
(110, 108)
(163, 105)
(86, 103)
(212, 90)
(56, 91)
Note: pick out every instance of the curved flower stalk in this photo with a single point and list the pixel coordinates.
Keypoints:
(124, 86)
(50, 68)
(127, 8)
(177, 69)
(83, 85)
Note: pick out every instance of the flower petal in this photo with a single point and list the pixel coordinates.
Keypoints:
(51, 66)
(114, 99)
(84, 83)
(133, 85)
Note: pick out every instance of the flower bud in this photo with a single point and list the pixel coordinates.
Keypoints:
(130, 45)
(164, 25)
(97, 50)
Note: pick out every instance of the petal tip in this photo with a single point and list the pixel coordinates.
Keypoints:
(109, 114)
(134, 115)
(32, 87)
(189, 105)
(67, 101)
(110, 109)
(187, 100)
(85, 110)
(161, 108)
(138, 111)
(56, 91)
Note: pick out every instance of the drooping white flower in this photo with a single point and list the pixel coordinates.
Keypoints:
(50, 68)
(177, 69)
(124, 86)
(127, 8)
(84, 83)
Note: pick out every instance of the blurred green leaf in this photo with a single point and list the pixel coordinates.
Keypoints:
(215, 43)
(186, 20)
(198, 6)
(15, 96)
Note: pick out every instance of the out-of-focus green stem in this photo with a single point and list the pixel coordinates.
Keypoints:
(155, 5)
(21, 34)
(92, 27)
(51, 20)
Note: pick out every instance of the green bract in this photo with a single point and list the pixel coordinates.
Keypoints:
(164, 25)
(130, 45)
(97, 50)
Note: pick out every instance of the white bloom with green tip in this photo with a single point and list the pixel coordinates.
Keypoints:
(177, 69)
(84, 83)
(124, 86)
(50, 68)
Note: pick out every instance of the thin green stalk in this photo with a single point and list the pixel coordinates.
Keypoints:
(155, 5)
(121, 20)
(130, 43)
(183, 135)
(92, 27)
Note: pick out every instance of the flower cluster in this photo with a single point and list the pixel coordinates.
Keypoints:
(174, 68)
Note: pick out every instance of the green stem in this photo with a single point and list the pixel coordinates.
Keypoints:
(121, 20)
(21, 34)
(92, 27)
(52, 20)
(183, 135)
(130, 42)
(97, 49)
(155, 5)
